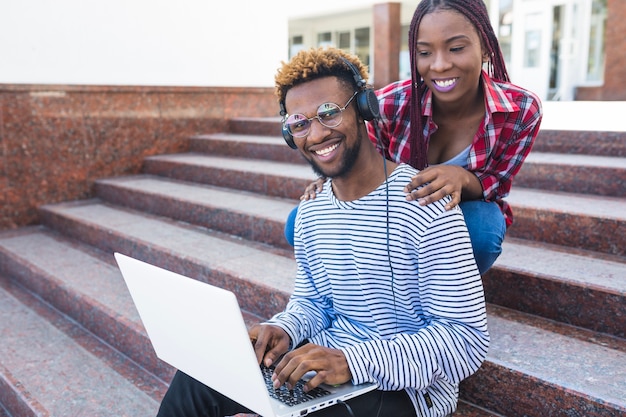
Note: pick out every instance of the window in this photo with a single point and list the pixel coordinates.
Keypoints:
(595, 65)
(324, 39)
(344, 41)
(362, 44)
(296, 44)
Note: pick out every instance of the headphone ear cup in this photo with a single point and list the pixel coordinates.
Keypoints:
(367, 103)
(288, 138)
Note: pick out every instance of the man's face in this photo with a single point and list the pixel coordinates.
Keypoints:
(331, 151)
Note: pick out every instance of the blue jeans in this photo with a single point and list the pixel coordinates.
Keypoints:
(485, 223)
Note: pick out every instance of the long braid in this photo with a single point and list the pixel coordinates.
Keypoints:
(476, 12)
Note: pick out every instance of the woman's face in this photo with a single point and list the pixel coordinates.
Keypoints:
(449, 55)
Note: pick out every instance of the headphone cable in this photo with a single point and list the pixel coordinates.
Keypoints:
(383, 152)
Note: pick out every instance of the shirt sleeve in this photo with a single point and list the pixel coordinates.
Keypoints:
(454, 343)
(513, 137)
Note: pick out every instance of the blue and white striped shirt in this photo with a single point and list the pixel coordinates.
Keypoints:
(400, 295)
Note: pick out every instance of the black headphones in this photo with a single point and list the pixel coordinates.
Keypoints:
(366, 102)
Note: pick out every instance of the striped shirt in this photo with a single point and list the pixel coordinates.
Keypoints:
(500, 146)
(404, 304)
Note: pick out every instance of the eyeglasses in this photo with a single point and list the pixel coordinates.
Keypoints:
(328, 114)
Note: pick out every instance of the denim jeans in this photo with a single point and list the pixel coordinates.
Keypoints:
(485, 223)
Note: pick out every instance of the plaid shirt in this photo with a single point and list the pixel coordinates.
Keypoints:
(512, 119)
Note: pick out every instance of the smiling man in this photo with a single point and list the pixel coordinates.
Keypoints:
(387, 290)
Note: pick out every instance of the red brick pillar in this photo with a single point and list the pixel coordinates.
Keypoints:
(387, 30)
(614, 86)
(615, 49)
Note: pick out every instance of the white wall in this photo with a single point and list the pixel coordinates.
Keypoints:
(142, 42)
(148, 42)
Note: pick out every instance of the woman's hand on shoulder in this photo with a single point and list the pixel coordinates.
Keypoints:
(436, 182)
(312, 189)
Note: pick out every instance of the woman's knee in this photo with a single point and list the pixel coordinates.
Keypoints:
(486, 227)
(290, 225)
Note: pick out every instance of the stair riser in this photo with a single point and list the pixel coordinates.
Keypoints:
(604, 235)
(256, 127)
(257, 299)
(247, 227)
(271, 185)
(572, 303)
(609, 182)
(581, 142)
(514, 394)
(16, 398)
(236, 149)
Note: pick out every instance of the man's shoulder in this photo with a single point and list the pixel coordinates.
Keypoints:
(405, 170)
(402, 176)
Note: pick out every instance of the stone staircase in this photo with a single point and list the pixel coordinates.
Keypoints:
(72, 343)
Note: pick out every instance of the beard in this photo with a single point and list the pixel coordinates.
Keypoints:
(345, 164)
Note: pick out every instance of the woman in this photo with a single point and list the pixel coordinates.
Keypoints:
(458, 119)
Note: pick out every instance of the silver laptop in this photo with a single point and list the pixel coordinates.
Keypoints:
(198, 329)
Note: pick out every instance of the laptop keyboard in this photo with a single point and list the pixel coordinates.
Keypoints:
(287, 396)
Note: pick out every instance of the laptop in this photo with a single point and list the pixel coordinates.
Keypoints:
(199, 329)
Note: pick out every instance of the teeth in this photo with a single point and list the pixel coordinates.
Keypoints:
(326, 151)
(445, 83)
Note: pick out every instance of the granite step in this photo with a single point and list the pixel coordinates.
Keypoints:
(582, 288)
(275, 179)
(569, 172)
(267, 126)
(538, 367)
(255, 146)
(248, 215)
(574, 220)
(524, 265)
(586, 142)
(581, 174)
(589, 222)
(581, 142)
(50, 366)
(525, 349)
(556, 295)
(82, 283)
(261, 275)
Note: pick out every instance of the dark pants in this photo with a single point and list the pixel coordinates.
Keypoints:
(187, 397)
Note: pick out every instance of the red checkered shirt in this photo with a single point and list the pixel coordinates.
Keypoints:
(512, 119)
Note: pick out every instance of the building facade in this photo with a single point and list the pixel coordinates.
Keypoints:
(561, 49)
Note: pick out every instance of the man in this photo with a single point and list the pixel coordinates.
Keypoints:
(387, 290)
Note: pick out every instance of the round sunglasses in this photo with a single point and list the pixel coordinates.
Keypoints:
(328, 114)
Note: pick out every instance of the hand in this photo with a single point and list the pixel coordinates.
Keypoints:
(270, 342)
(330, 367)
(312, 189)
(438, 181)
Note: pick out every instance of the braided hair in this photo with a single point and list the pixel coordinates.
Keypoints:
(476, 12)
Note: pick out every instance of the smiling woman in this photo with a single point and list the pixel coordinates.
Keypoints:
(458, 119)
